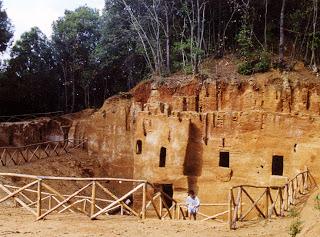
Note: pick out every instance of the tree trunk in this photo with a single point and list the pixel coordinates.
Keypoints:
(315, 18)
(64, 71)
(265, 25)
(73, 91)
(105, 89)
(281, 43)
(167, 42)
(87, 96)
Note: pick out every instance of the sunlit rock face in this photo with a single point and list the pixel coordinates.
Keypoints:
(209, 135)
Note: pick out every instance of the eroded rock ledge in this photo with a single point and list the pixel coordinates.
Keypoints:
(211, 134)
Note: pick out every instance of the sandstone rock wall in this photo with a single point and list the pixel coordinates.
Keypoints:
(110, 136)
(254, 120)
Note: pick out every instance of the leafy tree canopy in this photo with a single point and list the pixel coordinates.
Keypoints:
(6, 31)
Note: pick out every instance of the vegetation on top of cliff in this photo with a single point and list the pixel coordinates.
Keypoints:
(92, 56)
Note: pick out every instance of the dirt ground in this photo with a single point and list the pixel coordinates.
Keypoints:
(18, 222)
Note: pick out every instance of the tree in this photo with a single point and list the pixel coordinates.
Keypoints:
(75, 37)
(152, 22)
(195, 13)
(120, 59)
(313, 47)
(265, 25)
(6, 31)
(32, 54)
(32, 67)
(281, 42)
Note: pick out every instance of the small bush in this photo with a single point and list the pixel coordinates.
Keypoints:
(264, 63)
(255, 65)
(244, 39)
(245, 68)
(188, 69)
(317, 200)
(295, 227)
(262, 66)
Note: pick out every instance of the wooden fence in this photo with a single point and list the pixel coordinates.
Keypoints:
(25, 154)
(24, 117)
(157, 203)
(210, 211)
(39, 197)
(267, 201)
(97, 197)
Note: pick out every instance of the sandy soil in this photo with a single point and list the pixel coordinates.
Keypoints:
(17, 222)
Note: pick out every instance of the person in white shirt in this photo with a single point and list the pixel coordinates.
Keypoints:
(193, 204)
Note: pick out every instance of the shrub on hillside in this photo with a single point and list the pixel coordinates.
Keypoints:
(245, 68)
(295, 227)
(261, 63)
(317, 199)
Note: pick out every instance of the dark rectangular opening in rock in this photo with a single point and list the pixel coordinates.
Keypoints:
(139, 147)
(224, 159)
(184, 104)
(168, 190)
(163, 157)
(277, 165)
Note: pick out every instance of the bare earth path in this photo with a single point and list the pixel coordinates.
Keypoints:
(17, 222)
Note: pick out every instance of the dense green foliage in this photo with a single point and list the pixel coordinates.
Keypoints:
(75, 38)
(93, 55)
(5, 29)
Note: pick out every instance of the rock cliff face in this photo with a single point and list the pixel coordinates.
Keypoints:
(205, 134)
(35, 131)
(72, 126)
(210, 134)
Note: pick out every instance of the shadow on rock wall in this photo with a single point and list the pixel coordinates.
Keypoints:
(192, 166)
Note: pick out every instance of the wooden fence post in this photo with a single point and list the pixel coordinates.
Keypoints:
(39, 198)
(50, 202)
(93, 198)
(240, 205)
(84, 206)
(160, 205)
(144, 194)
(231, 225)
(281, 202)
(267, 203)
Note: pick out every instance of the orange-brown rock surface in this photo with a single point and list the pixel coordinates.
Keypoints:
(211, 133)
(207, 134)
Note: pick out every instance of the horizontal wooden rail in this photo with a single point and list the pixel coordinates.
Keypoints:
(209, 216)
(208, 204)
(54, 195)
